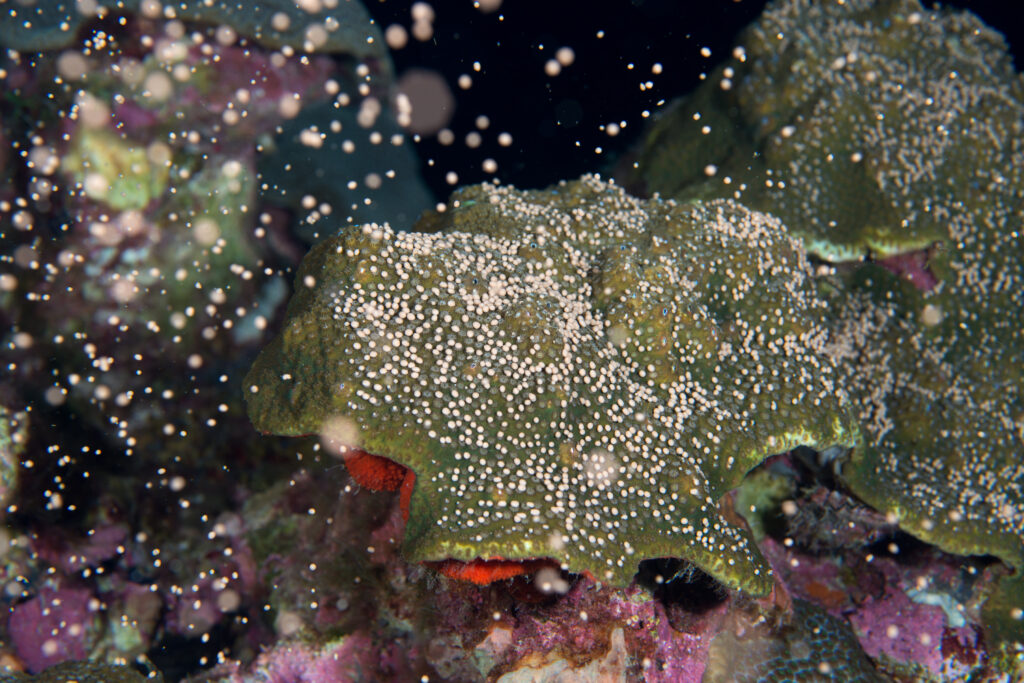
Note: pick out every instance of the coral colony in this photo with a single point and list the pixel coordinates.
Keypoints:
(742, 404)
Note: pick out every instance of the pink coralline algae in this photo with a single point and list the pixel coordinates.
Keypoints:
(913, 266)
(348, 660)
(895, 627)
(74, 555)
(53, 627)
(909, 609)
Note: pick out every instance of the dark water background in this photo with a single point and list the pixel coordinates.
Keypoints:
(547, 116)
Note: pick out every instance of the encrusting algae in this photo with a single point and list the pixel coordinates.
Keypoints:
(571, 374)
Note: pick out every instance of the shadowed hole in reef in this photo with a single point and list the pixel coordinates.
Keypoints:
(900, 546)
(678, 583)
(796, 498)
(177, 657)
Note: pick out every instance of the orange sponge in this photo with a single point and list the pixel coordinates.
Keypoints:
(482, 572)
(373, 471)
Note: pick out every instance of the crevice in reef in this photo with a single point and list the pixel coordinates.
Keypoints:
(676, 582)
(912, 266)
(796, 498)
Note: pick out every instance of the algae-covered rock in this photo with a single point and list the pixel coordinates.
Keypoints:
(811, 645)
(332, 26)
(855, 122)
(112, 170)
(81, 672)
(13, 435)
(572, 373)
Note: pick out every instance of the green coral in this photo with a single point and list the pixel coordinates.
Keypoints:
(854, 122)
(938, 375)
(571, 373)
(113, 170)
(937, 379)
(873, 129)
(939, 405)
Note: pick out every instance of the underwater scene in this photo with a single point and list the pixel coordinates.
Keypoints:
(511, 341)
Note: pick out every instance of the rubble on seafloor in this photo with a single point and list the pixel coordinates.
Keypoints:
(744, 429)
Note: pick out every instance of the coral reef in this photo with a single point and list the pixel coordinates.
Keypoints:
(881, 129)
(764, 426)
(554, 363)
(80, 672)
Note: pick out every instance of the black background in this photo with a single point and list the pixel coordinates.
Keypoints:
(555, 121)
